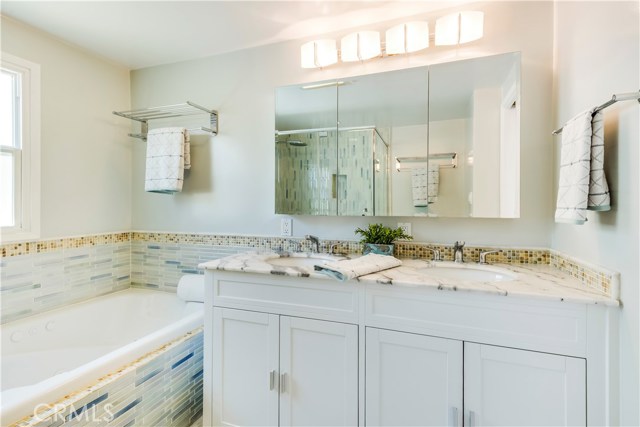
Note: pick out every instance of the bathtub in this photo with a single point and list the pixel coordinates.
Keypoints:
(49, 355)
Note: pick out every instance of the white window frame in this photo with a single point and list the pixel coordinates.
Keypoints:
(27, 158)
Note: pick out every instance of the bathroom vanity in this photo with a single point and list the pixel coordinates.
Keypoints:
(287, 346)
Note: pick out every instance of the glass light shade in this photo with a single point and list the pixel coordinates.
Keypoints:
(318, 53)
(407, 38)
(471, 26)
(360, 46)
(448, 30)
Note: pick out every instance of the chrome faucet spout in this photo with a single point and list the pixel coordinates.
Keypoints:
(314, 241)
(458, 252)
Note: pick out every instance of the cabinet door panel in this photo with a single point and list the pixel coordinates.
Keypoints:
(412, 380)
(319, 372)
(245, 352)
(505, 386)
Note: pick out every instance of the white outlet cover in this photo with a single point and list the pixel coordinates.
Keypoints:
(406, 227)
(286, 227)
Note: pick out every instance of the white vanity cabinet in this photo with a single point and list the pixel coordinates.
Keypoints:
(417, 380)
(505, 386)
(274, 359)
(412, 380)
(294, 351)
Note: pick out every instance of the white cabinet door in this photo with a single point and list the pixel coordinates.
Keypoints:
(245, 367)
(319, 373)
(505, 386)
(412, 380)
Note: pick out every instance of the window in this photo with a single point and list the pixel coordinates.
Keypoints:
(19, 149)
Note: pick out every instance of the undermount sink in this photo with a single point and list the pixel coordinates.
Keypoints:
(302, 261)
(468, 272)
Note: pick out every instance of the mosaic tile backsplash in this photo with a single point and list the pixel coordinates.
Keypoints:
(163, 388)
(42, 275)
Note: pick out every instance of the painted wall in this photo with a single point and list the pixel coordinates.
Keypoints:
(230, 188)
(590, 66)
(85, 151)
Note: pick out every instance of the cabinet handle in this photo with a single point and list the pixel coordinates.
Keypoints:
(472, 419)
(272, 380)
(283, 379)
(454, 417)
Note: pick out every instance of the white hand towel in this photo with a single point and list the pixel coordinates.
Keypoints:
(165, 160)
(575, 166)
(191, 288)
(424, 185)
(187, 150)
(599, 199)
(350, 269)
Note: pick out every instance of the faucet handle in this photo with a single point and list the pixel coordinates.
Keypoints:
(459, 245)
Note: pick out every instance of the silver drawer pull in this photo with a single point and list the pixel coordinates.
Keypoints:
(472, 419)
(272, 380)
(453, 421)
(283, 381)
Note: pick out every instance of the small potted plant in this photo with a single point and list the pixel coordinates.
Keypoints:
(378, 239)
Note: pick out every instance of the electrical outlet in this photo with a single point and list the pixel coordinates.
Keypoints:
(406, 227)
(286, 227)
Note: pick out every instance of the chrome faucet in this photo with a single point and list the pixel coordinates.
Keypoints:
(314, 241)
(436, 254)
(458, 253)
(483, 256)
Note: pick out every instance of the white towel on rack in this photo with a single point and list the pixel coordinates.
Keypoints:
(599, 199)
(424, 185)
(165, 160)
(187, 149)
(581, 172)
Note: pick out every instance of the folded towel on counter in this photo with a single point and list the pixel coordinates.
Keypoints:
(352, 268)
(191, 288)
(582, 183)
(165, 160)
(424, 185)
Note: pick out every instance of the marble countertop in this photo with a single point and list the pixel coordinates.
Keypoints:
(541, 282)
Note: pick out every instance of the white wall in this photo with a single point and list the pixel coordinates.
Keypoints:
(230, 188)
(85, 151)
(597, 55)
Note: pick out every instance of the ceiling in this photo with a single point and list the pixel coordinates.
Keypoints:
(141, 34)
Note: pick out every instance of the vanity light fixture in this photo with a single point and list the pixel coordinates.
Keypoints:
(458, 28)
(407, 38)
(452, 29)
(360, 46)
(318, 53)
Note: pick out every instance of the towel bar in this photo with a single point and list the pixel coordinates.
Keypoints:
(614, 98)
(143, 115)
(453, 157)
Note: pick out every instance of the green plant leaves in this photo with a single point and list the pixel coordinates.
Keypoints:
(379, 234)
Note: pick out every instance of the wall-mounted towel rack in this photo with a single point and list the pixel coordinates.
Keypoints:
(615, 98)
(452, 157)
(188, 108)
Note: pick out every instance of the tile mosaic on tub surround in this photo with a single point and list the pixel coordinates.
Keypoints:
(163, 388)
(40, 276)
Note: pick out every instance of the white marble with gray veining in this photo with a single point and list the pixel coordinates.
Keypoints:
(541, 282)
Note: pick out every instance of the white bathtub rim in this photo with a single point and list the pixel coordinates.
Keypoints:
(56, 387)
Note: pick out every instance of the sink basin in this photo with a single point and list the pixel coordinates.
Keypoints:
(471, 273)
(301, 261)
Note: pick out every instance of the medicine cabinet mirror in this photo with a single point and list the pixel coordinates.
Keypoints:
(434, 141)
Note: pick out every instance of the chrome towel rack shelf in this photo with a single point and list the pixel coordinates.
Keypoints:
(144, 115)
(452, 157)
(614, 98)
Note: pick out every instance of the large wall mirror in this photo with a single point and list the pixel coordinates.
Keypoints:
(440, 141)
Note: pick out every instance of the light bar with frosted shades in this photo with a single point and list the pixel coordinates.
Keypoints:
(457, 28)
(318, 53)
(407, 38)
(360, 46)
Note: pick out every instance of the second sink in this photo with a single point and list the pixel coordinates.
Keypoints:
(467, 272)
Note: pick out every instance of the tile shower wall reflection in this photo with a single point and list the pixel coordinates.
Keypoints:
(311, 180)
